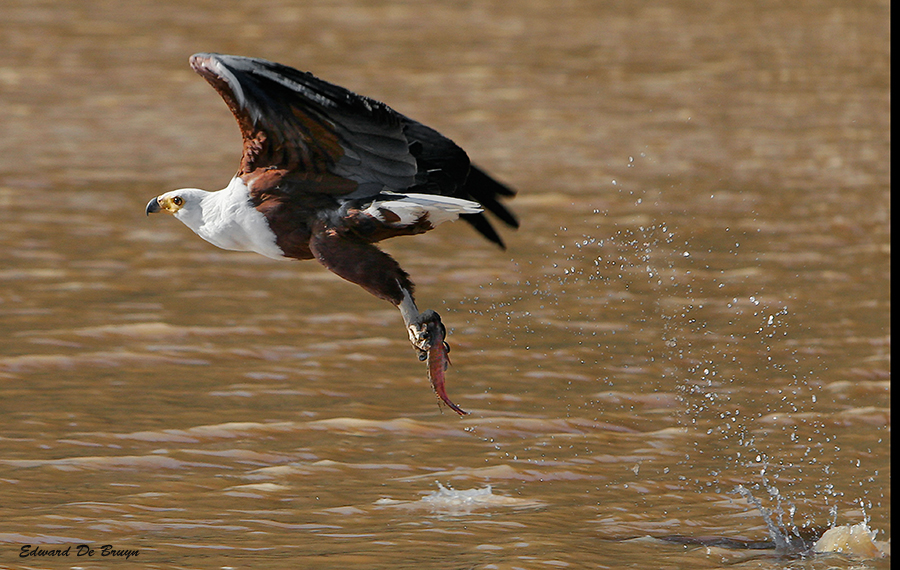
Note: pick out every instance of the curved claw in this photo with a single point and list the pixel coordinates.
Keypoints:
(436, 352)
(423, 329)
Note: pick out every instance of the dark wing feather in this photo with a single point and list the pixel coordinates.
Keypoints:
(293, 122)
(487, 192)
(444, 169)
(303, 134)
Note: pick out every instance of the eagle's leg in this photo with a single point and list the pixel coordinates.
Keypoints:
(425, 329)
(378, 273)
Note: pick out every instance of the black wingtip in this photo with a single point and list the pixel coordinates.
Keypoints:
(486, 191)
(484, 227)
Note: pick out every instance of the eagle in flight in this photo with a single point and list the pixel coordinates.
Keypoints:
(325, 174)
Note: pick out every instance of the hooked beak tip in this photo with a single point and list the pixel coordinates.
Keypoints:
(152, 207)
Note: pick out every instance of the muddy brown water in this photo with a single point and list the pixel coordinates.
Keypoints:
(698, 297)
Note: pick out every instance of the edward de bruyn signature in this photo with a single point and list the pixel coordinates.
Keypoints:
(80, 550)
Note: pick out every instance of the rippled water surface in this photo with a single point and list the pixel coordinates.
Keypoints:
(698, 297)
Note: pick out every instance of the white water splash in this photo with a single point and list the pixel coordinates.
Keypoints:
(447, 500)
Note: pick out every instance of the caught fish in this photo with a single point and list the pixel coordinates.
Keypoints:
(438, 360)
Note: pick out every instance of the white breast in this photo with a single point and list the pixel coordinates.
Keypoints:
(231, 222)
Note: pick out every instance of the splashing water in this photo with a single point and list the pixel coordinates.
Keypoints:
(786, 540)
(855, 540)
(450, 501)
(448, 497)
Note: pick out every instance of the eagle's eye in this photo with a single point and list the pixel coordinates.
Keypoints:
(177, 200)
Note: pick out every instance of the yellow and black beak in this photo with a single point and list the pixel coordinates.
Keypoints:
(153, 206)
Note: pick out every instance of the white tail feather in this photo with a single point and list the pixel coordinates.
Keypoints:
(411, 207)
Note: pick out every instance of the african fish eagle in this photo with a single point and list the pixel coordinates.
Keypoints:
(327, 173)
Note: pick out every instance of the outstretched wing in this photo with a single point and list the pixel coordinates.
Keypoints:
(307, 128)
(303, 134)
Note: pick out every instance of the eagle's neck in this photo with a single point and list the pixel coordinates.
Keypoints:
(229, 220)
